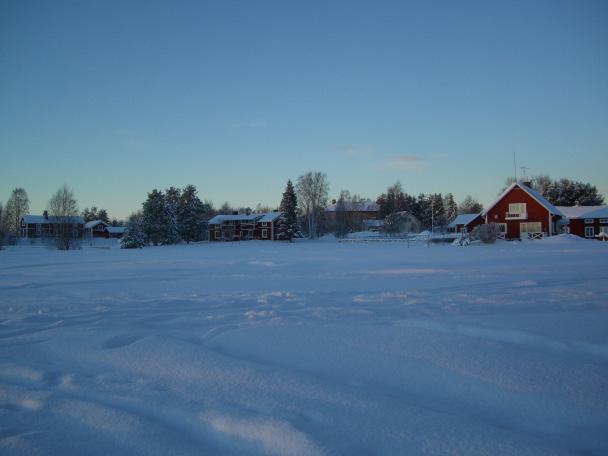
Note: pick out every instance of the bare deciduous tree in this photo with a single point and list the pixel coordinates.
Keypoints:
(312, 189)
(17, 206)
(64, 207)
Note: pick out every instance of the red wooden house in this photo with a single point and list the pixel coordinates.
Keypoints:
(241, 227)
(43, 226)
(523, 213)
(95, 229)
(464, 223)
(586, 221)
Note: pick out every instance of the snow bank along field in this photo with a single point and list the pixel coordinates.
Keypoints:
(306, 348)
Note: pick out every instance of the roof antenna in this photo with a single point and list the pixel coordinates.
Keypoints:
(523, 170)
(514, 166)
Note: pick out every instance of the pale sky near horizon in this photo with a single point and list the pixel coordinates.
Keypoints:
(117, 98)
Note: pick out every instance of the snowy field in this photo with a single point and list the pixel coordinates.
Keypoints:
(306, 348)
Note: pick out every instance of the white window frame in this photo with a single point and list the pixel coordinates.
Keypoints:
(603, 229)
(589, 220)
(517, 208)
(264, 223)
(589, 232)
(604, 220)
(264, 234)
(527, 224)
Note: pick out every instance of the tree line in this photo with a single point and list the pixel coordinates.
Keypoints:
(179, 215)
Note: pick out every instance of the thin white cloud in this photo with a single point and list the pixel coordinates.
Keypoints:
(405, 162)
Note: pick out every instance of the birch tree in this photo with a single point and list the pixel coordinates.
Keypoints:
(312, 189)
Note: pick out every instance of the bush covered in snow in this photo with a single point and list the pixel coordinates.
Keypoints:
(486, 233)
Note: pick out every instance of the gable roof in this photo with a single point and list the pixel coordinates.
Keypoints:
(540, 199)
(575, 212)
(116, 229)
(463, 219)
(264, 217)
(41, 219)
(94, 223)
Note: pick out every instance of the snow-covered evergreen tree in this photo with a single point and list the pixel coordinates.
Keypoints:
(450, 207)
(191, 216)
(423, 210)
(289, 206)
(439, 220)
(154, 217)
(565, 192)
(135, 237)
(103, 216)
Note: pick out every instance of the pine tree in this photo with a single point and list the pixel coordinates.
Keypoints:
(103, 216)
(171, 231)
(154, 217)
(439, 216)
(450, 207)
(191, 216)
(565, 192)
(289, 206)
(135, 237)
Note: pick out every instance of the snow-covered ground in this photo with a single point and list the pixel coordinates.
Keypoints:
(306, 348)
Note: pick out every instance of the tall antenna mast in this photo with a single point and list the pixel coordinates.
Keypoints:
(514, 167)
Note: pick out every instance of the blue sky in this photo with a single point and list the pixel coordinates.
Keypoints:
(116, 98)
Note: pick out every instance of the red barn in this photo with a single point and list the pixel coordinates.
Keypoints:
(523, 213)
(241, 227)
(586, 221)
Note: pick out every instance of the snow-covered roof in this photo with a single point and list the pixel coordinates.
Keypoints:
(575, 212)
(463, 219)
(374, 223)
(264, 217)
(41, 219)
(533, 193)
(270, 216)
(94, 223)
(116, 229)
(359, 206)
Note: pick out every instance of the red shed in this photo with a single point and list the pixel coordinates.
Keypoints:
(523, 213)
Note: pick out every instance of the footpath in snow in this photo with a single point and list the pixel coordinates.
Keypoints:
(310, 348)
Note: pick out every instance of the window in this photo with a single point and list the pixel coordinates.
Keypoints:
(502, 227)
(38, 229)
(530, 227)
(264, 223)
(588, 220)
(589, 231)
(517, 208)
(217, 234)
(264, 234)
(603, 220)
(604, 229)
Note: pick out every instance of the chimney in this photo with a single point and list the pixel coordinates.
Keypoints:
(527, 184)
(333, 201)
(45, 214)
